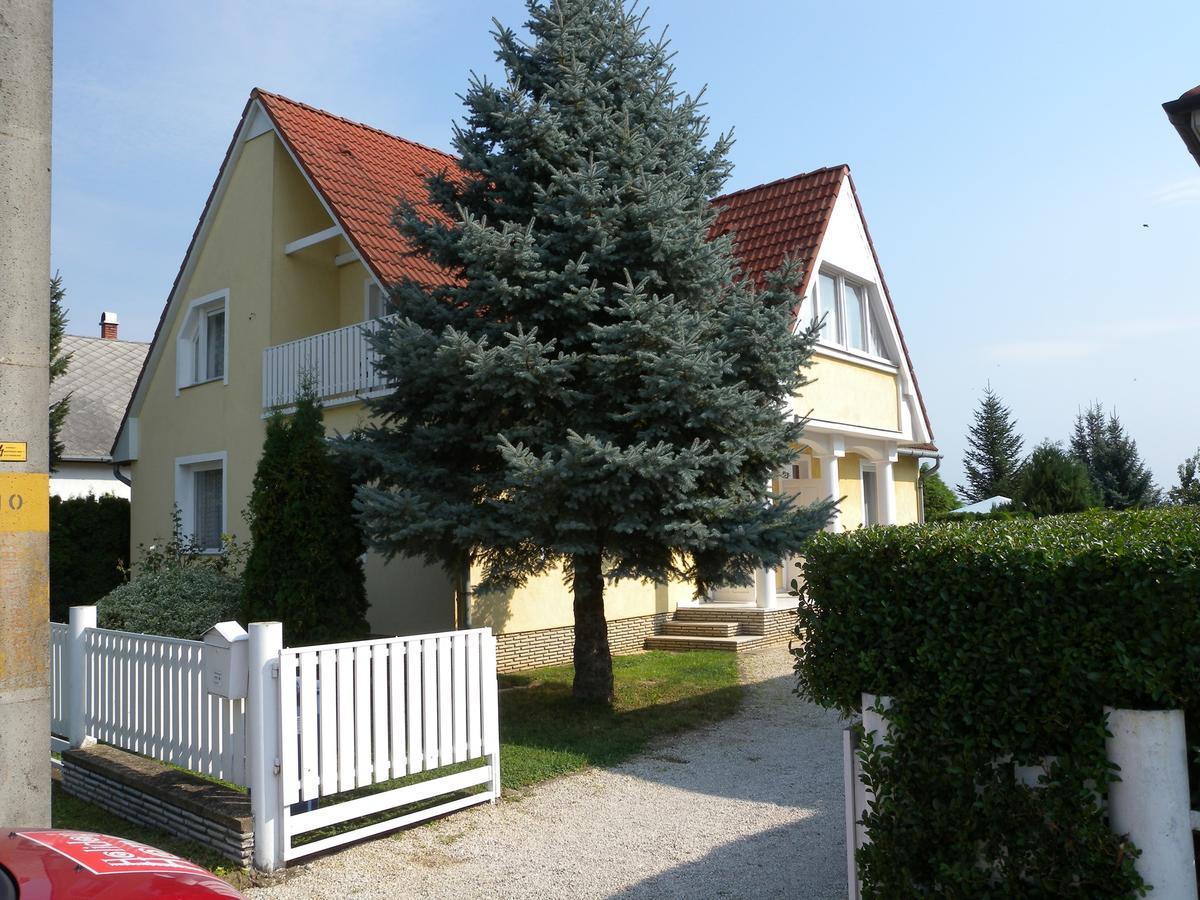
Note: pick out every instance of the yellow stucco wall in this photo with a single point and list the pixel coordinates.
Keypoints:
(851, 394)
(850, 481)
(905, 474)
(214, 416)
(546, 602)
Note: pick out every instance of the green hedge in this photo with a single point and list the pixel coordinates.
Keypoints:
(89, 545)
(1000, 643)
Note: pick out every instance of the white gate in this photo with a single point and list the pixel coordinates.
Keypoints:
(369, 713)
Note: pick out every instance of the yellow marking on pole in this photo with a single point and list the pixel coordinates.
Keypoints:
(14, 451)
(24, 502)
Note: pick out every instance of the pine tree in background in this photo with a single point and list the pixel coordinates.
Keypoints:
(1111, 457)
(938, 497)
(599, 390)
(1054, 482)
(58, 366)
(305, 563)
(1187, 492)
(993, 456)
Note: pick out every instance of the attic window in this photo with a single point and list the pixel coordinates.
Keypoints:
(850, 319)
(203, 345)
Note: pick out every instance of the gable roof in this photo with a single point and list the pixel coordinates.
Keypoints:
(789, 217)
(100, 379)
(359, 172)
(782, 218)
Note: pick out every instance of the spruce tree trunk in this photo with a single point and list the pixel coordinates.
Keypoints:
(593, 661)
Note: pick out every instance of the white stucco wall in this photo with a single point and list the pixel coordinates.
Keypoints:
(81, 479)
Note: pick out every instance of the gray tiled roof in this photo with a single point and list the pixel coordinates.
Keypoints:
(99, 378)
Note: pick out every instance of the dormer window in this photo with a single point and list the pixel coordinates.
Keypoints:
(204, 341)
(850, 319)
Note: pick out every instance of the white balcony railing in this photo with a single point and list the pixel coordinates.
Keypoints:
(340, 363)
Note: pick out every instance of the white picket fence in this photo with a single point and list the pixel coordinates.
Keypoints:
(58, 718)
(372, 711)
(145, 694)
(316, 722)
(341, 362)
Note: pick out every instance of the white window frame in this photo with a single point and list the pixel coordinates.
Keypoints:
(190, 347)
(185, 468)
(367, 285)
(839, 336)
(863, 469)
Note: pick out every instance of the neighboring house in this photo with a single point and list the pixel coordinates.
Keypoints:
(983, 506)
(1184, 114)
(288, 261)
(100, 379)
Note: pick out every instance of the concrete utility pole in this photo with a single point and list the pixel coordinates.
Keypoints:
(25, 51)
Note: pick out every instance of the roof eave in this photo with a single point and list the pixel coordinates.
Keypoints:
(1184, 114)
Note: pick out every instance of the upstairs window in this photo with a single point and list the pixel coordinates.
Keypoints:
(376, 302)
(204, 341)
(849, 317)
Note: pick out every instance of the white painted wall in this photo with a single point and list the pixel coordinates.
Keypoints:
(81, 479)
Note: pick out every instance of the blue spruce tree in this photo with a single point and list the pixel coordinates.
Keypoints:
(596, 387)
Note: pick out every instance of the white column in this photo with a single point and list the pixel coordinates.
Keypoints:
(1150, 802)
(885, 487)
(830, 488)
(80, 619)
(764, 588)
(262, 714)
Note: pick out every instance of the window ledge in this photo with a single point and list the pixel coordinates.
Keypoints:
(191, 384)
(857, 357)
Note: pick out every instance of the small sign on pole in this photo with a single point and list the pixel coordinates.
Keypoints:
(14, 451)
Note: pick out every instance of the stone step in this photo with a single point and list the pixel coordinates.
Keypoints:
(701, 629)
(689, 642)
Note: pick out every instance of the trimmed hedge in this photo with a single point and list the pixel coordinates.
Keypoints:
(180, 601)
(89, 547)
(1000, 643)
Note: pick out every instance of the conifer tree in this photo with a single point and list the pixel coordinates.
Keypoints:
(1111, 457)
(994, 451)
(1187, 492)
(1054, 482)
(598, 389)
(58, 366)
(305, 564)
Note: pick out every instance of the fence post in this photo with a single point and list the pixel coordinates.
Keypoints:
(262, 718)
(74, 687)
(491, 716)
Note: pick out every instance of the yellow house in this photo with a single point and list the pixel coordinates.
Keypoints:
(285, 271)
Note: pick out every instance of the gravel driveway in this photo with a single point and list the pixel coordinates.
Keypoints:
(749, 807)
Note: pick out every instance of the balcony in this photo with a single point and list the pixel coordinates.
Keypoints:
(339, 362)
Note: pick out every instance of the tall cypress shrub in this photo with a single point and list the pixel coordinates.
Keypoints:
(597, 388)
(305, 564)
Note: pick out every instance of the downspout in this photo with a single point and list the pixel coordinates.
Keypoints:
(128, 482)
(922, 472)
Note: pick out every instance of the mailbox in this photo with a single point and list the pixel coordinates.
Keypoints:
(226, 660)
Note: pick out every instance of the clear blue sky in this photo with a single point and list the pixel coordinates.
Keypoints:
(1007, 157)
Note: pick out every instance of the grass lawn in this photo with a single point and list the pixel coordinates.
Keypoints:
(543, 734)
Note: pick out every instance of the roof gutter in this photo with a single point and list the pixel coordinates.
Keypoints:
(922, 472)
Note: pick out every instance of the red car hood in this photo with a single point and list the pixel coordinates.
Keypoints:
(50, 863)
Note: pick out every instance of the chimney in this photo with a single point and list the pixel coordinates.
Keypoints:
(108, 326)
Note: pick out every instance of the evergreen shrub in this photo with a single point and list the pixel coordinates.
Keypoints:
(181, 601)
(1000, 643)
(89, 545)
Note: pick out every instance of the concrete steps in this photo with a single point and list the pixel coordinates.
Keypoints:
(690, 628)
(687, 642)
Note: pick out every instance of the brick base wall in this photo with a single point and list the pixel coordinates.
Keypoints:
(554, 646)
(149, 793)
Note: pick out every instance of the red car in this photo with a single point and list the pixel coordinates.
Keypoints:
(49, 863)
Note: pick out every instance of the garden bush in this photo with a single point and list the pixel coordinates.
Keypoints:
(89, 545)
(178, 589)
(1000, 643)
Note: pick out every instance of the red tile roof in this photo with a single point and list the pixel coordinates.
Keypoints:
(787, 217)
(360, 172)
